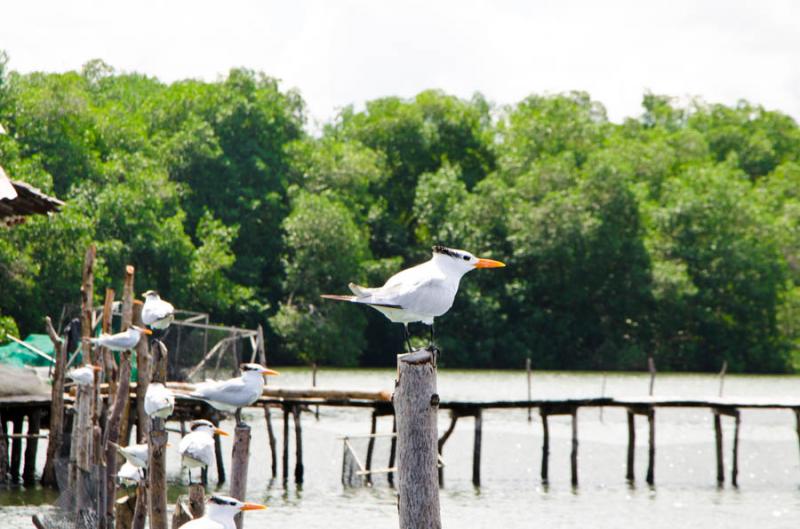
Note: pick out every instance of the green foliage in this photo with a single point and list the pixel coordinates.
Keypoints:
(675, 233)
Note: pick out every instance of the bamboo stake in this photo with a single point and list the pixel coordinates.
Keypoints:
(371, 445)
(273, 449)
(298, 446)
(416, 404)
(528, 372)
(31, 446)
(56, 407)
(476, 451)
(651, 447)
(629, 473)
(113, 433)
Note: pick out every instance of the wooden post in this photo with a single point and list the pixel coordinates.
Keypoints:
(440, 445)
(218, 456)
(797, 424)
(126, 321)
(629, 473)
(416, 404)
(735, 469)
(651, 452)
(109, 364)
(87, 300)
(545, 444)
(239, 460)
(56, 435)
(113, 433)
(31, 446)
(197, 500)
(313, 385)
(574, 454)
(3, 451)
(651, 366)
(157, 446)
(298, 445)
(272, 442)
(140, 511)
(722, 376)
(718, 436)
(371, 445)
(285, 473)
(142, 376)
(124, 511)
(393, 453)
(476, 450)
(528, 371)
(16, 447)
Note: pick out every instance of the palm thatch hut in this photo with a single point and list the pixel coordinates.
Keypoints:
(19, 200)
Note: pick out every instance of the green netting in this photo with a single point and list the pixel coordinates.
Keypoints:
(18, 355)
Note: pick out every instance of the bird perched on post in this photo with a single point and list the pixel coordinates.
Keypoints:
(156, 312)
(236, 393)
(122, 341)
(197, 447)
(158, 401)
(420, 293)
(220, 511)
(83, 375)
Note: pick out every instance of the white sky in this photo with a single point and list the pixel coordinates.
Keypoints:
(346, 52)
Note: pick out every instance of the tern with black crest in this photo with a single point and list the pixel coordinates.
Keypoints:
(420, 293)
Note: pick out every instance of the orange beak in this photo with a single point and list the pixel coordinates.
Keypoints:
(252, 507)
(147, 331)
(221, 432)
(489, 263)
(96, 368)
(269, 372)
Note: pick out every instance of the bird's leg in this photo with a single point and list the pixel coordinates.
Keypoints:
(431, 345)
(407, 337)
(238, 416)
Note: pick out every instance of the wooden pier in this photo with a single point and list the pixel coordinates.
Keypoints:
(34, 411)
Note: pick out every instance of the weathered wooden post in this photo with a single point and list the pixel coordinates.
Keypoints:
(157, 447)
(285, 458)
(371, 445)
(735, 469)
(16, 445)
(31, 446)
(476, 450)
(651, 450)
(239, 463)
(272, 441)
(416, 404)
(651, 366)
(299, 469)
(718, 438)
(574, 453)
(528, 371)
(629, 474)
(112, 434)
(56, 435)
(722, 376)
(142, 376)
(545, 445)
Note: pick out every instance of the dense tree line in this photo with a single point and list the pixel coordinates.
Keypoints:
(675, 233)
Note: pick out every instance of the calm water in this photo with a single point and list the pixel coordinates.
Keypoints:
(511, 496)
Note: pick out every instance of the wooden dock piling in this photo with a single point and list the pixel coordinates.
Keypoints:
(239, 462)
(285, 459)
(16, 447)
(735, 455)
(629, 470)
(157, 454)
(31, 446)
(416, 404)
(272, 441)
(56, 433)
(718, 444)
(545, 446)
(573, 457)
(220, 463)
(298, 446)
(476, 449)
(371, 446)
(651, 447)
(528, 372)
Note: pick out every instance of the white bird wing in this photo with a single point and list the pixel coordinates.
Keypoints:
(234, 392)
(155, 310)
(121, 340)
(198, 446)
(130, 473)
(157, 398)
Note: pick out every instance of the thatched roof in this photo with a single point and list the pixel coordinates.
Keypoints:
(18, 200)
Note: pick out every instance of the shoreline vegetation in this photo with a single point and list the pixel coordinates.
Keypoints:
(675, 233)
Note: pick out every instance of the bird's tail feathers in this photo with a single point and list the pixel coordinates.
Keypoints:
(339, 298)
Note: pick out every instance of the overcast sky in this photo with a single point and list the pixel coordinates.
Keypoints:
(346, 52)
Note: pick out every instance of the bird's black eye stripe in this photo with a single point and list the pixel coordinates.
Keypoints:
(466, 257)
